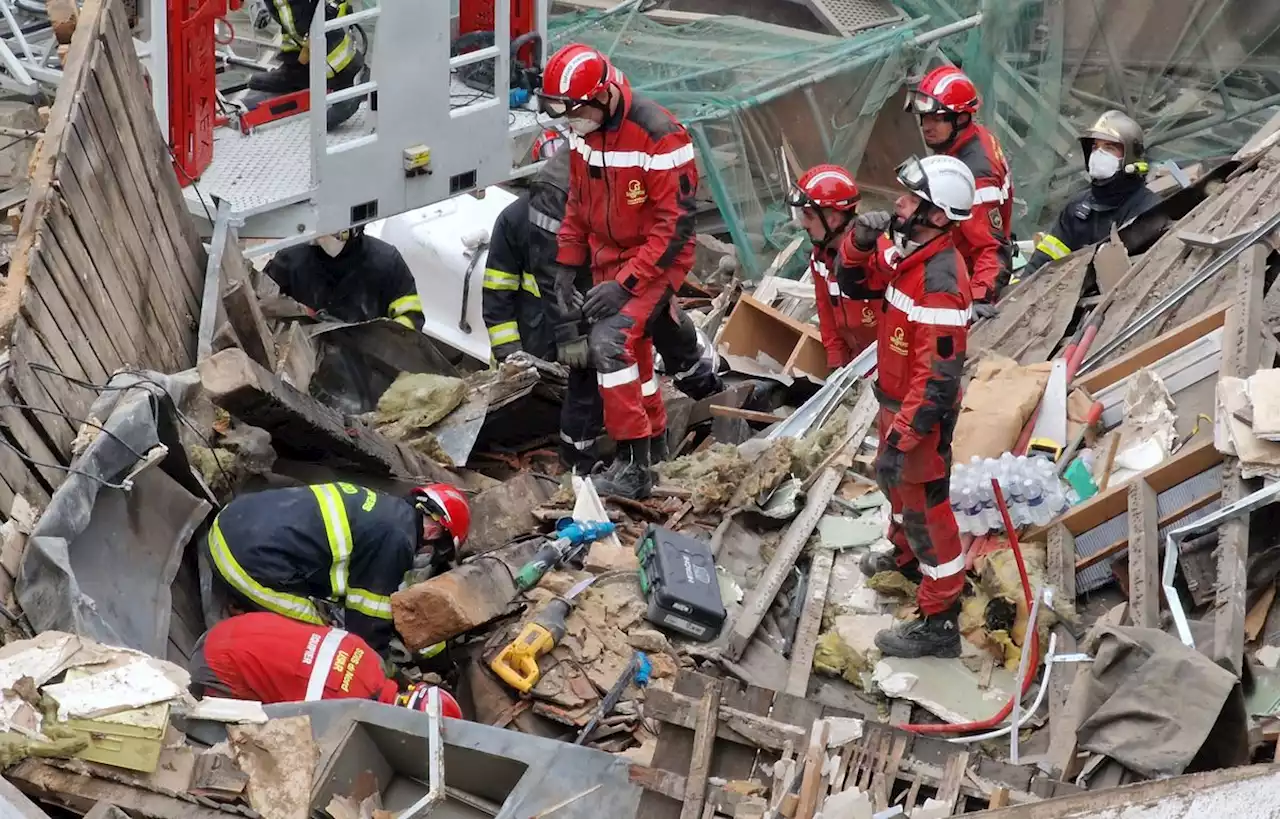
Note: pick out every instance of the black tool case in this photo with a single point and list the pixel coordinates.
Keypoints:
(678, 577)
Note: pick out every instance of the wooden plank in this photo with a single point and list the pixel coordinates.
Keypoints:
(241, 305)
(302, 427)
(811, 782)
(20, 431)
(50, 397)
(1154, 350)
(130, 88)
(806, 639)
(49, 149)
(999, 799)
(735, 725)
(733, 760)
(1144, 555)
(56, 273)
(673, 751)
(750, 416)
(80, 793)
(1061, 572)
(1117, 546)
(1241, 352)
(47, 312)
(952, 779)
(133, 261)
(1190, 461)
(704, 738)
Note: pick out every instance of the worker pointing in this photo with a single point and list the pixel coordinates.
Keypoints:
(269, 658)
(1116, 160)
(947, 102)
(630, 219)
(920, 359)
(286, 550)
(828, 200)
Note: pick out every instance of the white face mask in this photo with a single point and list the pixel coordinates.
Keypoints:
(1103, 165)
(331, 245)
(582, 125)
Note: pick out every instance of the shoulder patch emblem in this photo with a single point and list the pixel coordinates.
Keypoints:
(636, 194)
(898, 341)
(996, 220)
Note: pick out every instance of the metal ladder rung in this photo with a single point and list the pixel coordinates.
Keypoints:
(479, 55)
(362, 90)
(353, 19)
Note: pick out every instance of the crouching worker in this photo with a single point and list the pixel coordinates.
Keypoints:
(313, 553)
(920, 358)
(269, 658)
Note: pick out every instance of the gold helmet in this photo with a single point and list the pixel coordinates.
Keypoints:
(1118, 127)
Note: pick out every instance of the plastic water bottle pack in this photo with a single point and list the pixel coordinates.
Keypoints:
(1030, 486)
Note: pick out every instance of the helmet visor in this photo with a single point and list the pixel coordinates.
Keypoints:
(556, 106)
(912, 176)
(921, 103)
(797, 198)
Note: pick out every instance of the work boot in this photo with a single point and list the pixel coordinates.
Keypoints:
(286, 78)
(935, 635)
(628, 476)
(658, 449)
(874, 562)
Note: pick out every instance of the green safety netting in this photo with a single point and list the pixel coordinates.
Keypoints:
(1201, 76)
(744, 89)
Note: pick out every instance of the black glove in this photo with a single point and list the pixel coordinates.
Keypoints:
(575, 354)
(984, 310)
(889, 467)
(604, 300)
(504, 351)
(868, 227)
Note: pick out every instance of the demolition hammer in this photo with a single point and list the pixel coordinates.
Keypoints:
(572, 539)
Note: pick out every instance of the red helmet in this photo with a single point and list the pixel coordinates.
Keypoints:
(944, 89)
(445, 505)
(825, 186)
(574, 75)
(547, 144)
(415, 698)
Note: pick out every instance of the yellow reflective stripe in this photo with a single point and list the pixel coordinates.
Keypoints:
(287, 23)
(431, 650)
(292, 606)
(336, 528)
(1053, 247)
(504, 333)
(405, 304)
(369, 604)
(500, 280)
(530, 285)
(405, 320)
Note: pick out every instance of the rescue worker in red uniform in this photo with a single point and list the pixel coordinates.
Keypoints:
(630, 219)
(305, 551)
(920, 359)
(946, 101)
(828, 199)
(269, 658)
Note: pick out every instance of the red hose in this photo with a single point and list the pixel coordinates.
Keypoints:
(983, 725)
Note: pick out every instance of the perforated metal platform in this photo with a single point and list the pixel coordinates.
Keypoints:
(847, 17)
(271, 167)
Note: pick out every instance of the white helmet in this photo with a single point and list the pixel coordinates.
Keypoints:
(943, 181)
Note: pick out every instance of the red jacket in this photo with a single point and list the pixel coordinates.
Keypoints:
(270, 658)
(985, 240)
(632, 198)
(924, 328)
(848, 325)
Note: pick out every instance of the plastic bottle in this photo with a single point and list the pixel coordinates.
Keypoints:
(1017, 501)
(989, 518)
(1037, 509)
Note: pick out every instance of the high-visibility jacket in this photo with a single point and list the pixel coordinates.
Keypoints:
(265, 657)
(284, 549)
(632, 198)
(512, 304)
(848, 325)
(369, 279)
(1088, 216)
(923, 333)
(294, 17)
(985, 239)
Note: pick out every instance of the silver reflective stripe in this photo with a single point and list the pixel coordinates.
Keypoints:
(991, 193)
(542, 220)
(937, 316)
(951, 567)
(620, 378)
(323, 664)
(649, 387)
(581, 446)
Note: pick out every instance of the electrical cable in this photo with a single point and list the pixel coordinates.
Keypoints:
(71, 470)
(207, 212)
(1029, 713)
(75, 420)
(992, 721)
(26, 136)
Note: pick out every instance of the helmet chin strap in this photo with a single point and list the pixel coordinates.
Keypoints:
(829, 235)
(956, 131)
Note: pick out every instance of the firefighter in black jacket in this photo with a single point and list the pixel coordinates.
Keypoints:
(350, 276)
(285, 550)
(1116, 160)
(521, 268)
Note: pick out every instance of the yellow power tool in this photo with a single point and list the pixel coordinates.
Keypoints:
(517, 663)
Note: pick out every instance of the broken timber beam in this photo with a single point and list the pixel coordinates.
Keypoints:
(704, 740)
(733, 724)
(789, 548)
(806, 639)
(1063, 717)
(1241, 353)
(1144, 555)
(301, 426)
